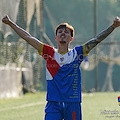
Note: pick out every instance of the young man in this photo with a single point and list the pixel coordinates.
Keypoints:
(63, 68)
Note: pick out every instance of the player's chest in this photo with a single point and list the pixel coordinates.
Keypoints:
(64, 59)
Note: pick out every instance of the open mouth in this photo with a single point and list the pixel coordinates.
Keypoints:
(62, 41)
(62, 36)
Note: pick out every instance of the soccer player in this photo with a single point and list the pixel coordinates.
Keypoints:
(63, 68)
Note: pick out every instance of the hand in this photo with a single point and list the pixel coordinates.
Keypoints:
(6, 19)
(116, 22)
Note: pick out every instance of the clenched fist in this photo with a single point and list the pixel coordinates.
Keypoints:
(6, 19)
(116, 22)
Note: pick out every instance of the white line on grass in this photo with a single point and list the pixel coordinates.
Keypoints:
(23, 106)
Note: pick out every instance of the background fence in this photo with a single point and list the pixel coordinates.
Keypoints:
(40, 18)
(16, 53)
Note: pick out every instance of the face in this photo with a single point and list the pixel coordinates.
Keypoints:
(63, 36)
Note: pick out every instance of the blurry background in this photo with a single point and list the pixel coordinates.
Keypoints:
(23, 70)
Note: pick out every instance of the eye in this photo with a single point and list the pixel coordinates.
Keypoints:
(66, 31)
(60, 31)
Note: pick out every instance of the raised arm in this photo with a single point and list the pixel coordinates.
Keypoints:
(22, 33)
(100, 37)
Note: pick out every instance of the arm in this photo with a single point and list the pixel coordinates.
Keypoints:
(22, 33)
(100, 37)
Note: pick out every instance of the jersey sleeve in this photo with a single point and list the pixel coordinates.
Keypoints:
(41, 49)
(81, 53)
(84, 51)
(81, 50)
(46, 51)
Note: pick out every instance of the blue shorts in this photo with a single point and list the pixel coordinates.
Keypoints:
(63, 111)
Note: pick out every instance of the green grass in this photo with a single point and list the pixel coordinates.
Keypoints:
(95, 104)
(31, 107)
(27, 107)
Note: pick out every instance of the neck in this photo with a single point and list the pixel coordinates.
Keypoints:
(62, 49)
(62, 53)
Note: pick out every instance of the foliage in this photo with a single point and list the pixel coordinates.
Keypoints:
(80, 13)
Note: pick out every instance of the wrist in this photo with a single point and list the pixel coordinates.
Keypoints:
(11, 23)
(113, 26)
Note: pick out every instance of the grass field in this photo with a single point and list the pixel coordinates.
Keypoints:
(95, 106)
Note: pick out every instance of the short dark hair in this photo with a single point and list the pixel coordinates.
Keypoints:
(65, 25)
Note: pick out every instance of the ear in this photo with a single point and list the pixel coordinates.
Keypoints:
(56, 38)
(71, 38)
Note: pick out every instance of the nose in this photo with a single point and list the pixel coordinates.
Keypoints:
(63, 33)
